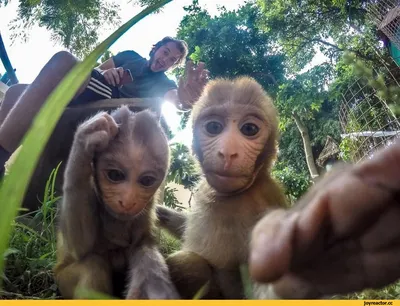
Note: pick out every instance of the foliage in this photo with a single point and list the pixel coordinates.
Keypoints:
(107, 55)
(307, 95)
(170, 200)
(375, 80)
(74, 24)
(32, 252)
(14, 185)
(304, 94)
(296, 182)
(303, 27)
(183, 169)
(391, 292)
(231, 44)
(167, 243)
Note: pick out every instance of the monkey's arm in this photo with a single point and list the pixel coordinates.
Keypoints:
(172, 220)
(78, 224)
(78, 209)
(149, 276)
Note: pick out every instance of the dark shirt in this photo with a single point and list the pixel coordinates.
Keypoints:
(146, 83)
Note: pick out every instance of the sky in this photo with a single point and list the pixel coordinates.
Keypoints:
(29, 57)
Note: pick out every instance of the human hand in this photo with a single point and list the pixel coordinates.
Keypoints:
(342, 237)
(113, 76)
(191, 85)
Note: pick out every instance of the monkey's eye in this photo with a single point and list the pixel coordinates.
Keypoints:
(249, 129)
(147, 180)
(214, 127)
(115, 175)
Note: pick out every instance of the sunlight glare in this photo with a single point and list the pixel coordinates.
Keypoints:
(170, 113)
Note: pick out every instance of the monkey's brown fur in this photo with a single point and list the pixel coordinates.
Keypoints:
(105, 239)
(217, 230)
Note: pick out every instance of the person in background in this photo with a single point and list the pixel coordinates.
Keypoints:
(125, 75)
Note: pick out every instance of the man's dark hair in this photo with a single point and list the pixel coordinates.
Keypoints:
(180, 44)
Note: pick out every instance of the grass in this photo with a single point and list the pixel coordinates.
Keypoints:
(32, 251)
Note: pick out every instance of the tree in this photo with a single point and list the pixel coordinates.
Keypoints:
(231, 44)
(301, 27)
(304, 102)
(183, 171)
(74, 24)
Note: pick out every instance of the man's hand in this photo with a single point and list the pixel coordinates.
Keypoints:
(113, 76)
(192, 83)
(343, 236)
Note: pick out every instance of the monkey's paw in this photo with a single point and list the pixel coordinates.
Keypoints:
(94, 135)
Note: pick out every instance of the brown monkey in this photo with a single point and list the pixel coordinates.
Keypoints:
(105, 238)
(235, 128)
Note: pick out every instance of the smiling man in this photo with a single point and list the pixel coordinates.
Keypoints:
(126, 75)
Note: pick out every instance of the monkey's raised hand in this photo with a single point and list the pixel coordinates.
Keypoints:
(343, 236)
(77, 209)
(95, 134)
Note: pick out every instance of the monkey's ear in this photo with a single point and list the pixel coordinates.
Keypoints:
(121, 115)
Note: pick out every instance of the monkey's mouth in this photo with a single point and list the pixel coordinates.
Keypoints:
(227, 178)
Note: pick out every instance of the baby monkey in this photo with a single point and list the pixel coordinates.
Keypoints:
(235, 130)
(105, 239)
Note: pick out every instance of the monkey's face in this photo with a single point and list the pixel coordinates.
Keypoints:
(234, 133)
(231, 139)
(128, 179)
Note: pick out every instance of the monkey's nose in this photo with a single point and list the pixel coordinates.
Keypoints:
(228, 158)
(126, 204)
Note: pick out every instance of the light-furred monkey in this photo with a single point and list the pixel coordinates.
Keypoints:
(235, 128)
(105, 239)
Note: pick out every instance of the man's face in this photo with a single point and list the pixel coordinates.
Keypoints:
(165, 57)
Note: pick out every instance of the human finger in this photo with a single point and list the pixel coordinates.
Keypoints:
(108, 77)
(199, 69)
(120, 71)
(115, 75)
(189, 69)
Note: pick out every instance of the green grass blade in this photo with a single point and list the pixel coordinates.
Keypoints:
(202, 291)
(13, 187)
(247, 286)
(53, 181)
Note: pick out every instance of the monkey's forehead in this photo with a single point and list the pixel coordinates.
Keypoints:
(232, 109)
(137, 151)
